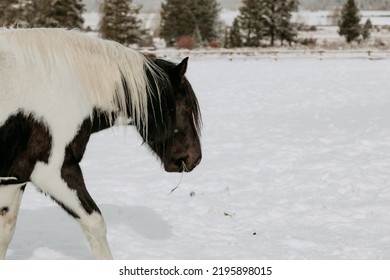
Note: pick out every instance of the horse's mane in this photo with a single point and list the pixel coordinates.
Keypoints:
(101, 66)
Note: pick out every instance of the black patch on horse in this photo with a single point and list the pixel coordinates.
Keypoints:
(4, 211)
(71, 172)
(24, 141)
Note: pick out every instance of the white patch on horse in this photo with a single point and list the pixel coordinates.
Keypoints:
(95, 229)
(10, 199)
(2, 179)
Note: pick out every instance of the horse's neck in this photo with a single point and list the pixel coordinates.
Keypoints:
(102, 121)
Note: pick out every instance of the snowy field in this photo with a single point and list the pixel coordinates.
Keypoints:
(296, 165)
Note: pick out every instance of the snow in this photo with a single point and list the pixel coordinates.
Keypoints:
(296, 165)
(91, 20)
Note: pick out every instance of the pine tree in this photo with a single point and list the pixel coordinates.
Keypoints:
(60, 13)
(120, 22)
(9, 11)
(267, 19)
(195, 18)
(366, 32)
(349, 26)
(276, 18)
(21, 13)
(270, 10)
(68, 13)
(235, 40)
(177, 20)
(250, 21)
(28, 13)
(206, 14)
(44, 18)
(286, 30)
(42, 13)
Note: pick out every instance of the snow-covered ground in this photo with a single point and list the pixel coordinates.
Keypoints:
(296, 165)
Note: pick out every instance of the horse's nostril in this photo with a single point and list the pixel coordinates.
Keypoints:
(185, 163)
(181, 162)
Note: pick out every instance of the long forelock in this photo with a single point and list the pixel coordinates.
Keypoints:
(189, 93)
(196, 113)
(100, 66)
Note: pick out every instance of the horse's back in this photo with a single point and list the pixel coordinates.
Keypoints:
(8, 80)
(53, 95)
(41, 108)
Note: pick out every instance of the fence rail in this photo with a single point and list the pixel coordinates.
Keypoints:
(272, 54)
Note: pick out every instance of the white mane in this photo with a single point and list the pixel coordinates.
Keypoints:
(99, 64)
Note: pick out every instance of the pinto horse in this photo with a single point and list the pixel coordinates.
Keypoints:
(57, 87)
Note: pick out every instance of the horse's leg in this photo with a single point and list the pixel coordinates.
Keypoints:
(90, 220)
(66, 186)
(10, 198)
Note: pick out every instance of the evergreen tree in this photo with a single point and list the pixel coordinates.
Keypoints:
(235, 40)
(42, 13)
(195, 18)
(59, 13)
(260, 19)
(120, 22)
(68, 13)
(251, 23)
(9, 11)
(173, 24)
(206, 14)
(349, 26)
(28, 13)
(286, 30)
(270, 12)
(366, 32)
(276, 17)
(177, 20)
(21, 13)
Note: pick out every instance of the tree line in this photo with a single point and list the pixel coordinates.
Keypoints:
(374, 5)
(262, 21)
(119, 18)
(42, 13)
(322, 5)
(184, 23)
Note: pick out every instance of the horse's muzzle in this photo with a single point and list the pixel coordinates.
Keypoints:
(186, 164)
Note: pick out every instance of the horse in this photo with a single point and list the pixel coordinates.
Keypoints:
(57, 88)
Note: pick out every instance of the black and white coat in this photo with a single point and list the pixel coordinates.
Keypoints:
(56, 88)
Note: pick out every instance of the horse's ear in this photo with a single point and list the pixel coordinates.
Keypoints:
(181, 69)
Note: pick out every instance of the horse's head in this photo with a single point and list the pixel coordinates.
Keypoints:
(174, 121)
